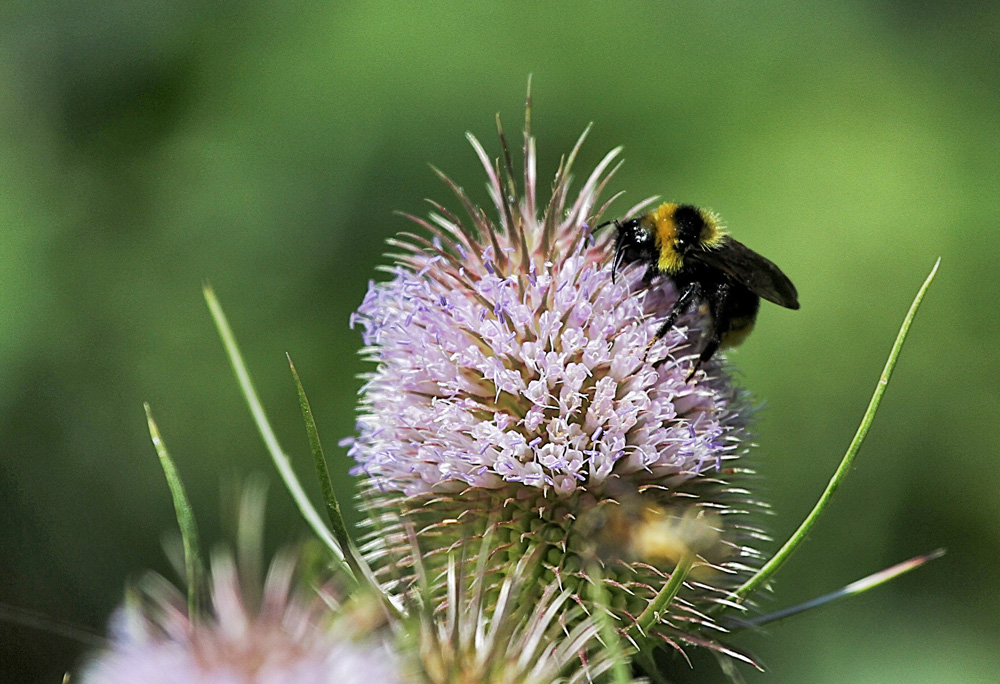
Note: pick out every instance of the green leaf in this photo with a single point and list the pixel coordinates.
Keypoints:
(193, 566)
(339, 527)
(852, 589)
(278, 455)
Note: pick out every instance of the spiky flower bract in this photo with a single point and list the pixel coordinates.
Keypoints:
(517, 390)
(506, 640)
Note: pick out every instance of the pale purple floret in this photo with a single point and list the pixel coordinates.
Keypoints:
(537, 373)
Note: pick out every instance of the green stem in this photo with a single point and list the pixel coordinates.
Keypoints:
(783, 554)
(651, 615)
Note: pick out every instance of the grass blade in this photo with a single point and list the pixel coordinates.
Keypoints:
(338, 526)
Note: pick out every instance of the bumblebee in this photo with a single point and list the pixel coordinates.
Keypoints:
(687, 245)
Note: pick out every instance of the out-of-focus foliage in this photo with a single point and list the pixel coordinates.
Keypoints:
(146, 147)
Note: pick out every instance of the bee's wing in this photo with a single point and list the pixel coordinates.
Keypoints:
(751, 270)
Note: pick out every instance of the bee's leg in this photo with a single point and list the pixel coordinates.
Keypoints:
(688, 294)
(680, 306)
(717, 301)
(708, 352)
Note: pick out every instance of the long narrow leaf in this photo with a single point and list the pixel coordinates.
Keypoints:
(339, 527)
(854, 588)
(185, 518)
(278, 455)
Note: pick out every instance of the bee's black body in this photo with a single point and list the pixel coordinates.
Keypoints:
(687, 245)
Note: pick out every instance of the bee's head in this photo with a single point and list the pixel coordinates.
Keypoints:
(636, 241)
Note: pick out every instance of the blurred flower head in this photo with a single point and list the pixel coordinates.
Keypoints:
(284, 629)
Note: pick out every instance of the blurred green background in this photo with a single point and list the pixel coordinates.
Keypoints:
(146, 147)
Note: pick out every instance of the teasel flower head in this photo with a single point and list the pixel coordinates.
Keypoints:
(519, 390)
